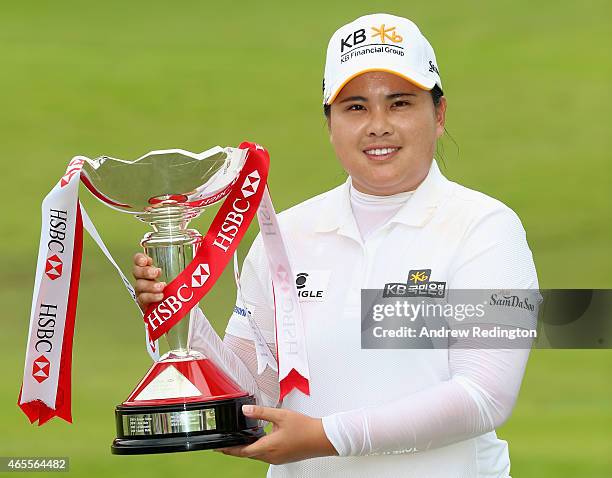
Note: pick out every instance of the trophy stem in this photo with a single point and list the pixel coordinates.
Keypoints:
(172, 247)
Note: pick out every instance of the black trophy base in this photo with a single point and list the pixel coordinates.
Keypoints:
(123, 446)
(185, 427)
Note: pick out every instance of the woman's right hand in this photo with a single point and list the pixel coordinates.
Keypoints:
(148, 289)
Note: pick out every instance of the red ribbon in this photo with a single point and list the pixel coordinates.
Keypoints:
(225, 233)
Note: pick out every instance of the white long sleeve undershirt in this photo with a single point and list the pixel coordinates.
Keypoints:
(478, 397)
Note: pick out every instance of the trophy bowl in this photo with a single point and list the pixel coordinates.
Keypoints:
(184, 402)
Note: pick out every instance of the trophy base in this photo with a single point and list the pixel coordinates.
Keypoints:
(184, 403)
(186, 427)
(173, 445)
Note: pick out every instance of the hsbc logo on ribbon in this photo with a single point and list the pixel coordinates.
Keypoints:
(174, 303)
(53, 267)
(74, 167)
(200, 275)
(58, 222)
(234, 218)
(170, 305)
(40, 369)
(251, 183)
(282, 278)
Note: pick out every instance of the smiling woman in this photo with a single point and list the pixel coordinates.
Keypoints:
(367, 412)
(384, 131)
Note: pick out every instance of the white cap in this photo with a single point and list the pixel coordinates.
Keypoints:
(379, 42)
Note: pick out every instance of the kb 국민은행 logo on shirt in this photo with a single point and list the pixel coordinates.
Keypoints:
(417, 285)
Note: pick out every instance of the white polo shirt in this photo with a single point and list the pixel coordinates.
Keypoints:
(467, 239)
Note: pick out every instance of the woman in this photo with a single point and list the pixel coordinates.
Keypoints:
(385, 412)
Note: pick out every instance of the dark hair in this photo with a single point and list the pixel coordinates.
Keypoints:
(436, 93)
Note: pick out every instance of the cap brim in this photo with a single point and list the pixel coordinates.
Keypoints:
(420, 84)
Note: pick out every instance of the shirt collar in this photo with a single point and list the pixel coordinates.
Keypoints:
(336, 212)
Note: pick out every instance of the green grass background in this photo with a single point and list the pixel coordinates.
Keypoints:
(528, 86)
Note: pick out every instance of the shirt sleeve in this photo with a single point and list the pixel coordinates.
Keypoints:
(483, 383)
(494, 254)
(255, 297)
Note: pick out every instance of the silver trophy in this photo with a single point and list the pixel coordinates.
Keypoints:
(184, 402)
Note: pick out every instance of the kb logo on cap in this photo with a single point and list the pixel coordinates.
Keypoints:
(359, 36)
(389, 34)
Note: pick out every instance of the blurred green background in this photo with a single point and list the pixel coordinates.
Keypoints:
(528, 88)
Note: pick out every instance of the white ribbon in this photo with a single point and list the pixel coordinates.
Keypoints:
(152, 347)
(51, 290)
(290, 337)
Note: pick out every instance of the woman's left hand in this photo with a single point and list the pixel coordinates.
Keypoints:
(294, 437)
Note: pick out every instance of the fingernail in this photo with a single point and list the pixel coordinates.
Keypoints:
(247, 409)
(160, 285)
